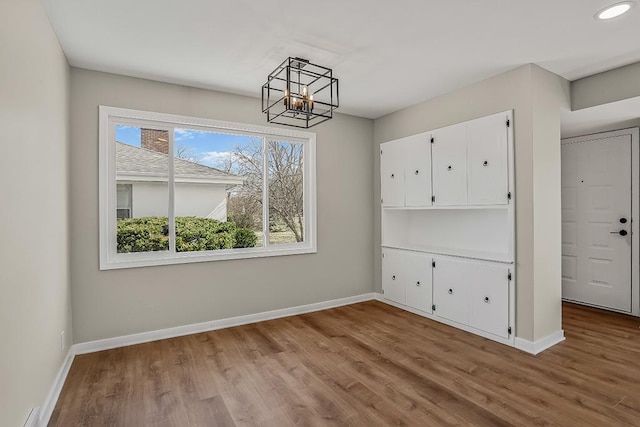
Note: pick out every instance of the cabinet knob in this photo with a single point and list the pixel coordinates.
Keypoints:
(417, 172)
(393, 175)
(623, 220)
(485, 163)
(449, 168)
(393, 277)
(486, 299)
(450, 291)
(418, 284)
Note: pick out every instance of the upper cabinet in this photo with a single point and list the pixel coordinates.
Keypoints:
(466, 164)
(487, 161)
(405, 172)
(450, 165)
(392, 173)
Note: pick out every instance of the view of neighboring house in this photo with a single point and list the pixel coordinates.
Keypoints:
(142, 176)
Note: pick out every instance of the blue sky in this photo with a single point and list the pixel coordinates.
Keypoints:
(208, 148)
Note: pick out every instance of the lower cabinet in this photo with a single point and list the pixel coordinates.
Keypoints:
(407, 278)
(467, 292)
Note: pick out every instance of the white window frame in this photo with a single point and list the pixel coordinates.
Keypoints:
(110, 259)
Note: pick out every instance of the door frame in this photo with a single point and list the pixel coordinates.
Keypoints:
(635, 209)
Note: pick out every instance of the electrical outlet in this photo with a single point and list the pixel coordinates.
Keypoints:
(63, 343)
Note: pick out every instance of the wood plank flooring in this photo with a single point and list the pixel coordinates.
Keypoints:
(366, 364)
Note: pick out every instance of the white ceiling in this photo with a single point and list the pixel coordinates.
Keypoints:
(387, 55)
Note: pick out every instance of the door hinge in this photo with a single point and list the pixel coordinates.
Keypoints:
(509, 330)
(509, 276)
(382, 201)
(383, 292)
(508, 123)
(433, 199)
(433, 264)
(381, 152)
(432, 140)
(433, 307)
(509, 195)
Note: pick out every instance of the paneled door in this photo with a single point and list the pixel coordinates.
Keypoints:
(596, 221)
(449, 159)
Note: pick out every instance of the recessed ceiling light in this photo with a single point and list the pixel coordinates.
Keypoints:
(614, 10)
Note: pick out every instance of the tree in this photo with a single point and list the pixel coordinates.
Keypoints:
(186, 152)
(285, 175)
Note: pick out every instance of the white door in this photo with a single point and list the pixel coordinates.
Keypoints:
(487, 160)
(417, 171)
(418, 281)
(393, 276)
(449, 152)
(451, 280)
(490, 299)
(596, 221)
(392, 174)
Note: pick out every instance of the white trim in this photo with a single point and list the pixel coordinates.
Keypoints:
(635, 209)
(110, 259)
(33, 420)
(52, 398)
(536, 347)
(109, 343)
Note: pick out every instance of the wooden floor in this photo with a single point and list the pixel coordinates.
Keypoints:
(366, 364)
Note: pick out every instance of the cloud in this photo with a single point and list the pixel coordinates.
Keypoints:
(215, 158)
(185, 134)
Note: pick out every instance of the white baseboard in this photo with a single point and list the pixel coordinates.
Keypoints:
(50, 403)
(109, 343)
(535, 347)
(33, 420)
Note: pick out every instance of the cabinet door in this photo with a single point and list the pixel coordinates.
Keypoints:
(490, 299)
(392, 174)
(487, 160)
(451, 280)
(393, 282)
(417, 171)
(449, 153)
(418, 281)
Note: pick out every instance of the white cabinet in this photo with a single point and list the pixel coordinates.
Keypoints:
(473, 293)
(405, 172)
(417, 171)
(448, 225)
(393, 283)
(406, 278)
(392, 173)
(450, 166)
(487, 160)
(450, 290)
(470, 162)
(418, 281)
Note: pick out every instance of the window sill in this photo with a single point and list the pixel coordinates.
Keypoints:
(132, 260)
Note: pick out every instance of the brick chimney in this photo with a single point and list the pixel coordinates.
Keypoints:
(155, 140)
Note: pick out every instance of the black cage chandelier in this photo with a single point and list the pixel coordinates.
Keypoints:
(300, 94)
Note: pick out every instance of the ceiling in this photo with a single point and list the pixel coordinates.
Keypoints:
(387, 55)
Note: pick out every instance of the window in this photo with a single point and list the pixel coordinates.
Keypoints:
(177, 189)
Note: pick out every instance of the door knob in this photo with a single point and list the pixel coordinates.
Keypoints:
(486, 299)
(449, 168)
(417, 172)
(418, 284)
(393, 175)
(623, 220)
(621, 232)
(486, 163)
(393, 277)
(450, 291)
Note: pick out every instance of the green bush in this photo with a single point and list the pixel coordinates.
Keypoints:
(192, 234)
(245, 238)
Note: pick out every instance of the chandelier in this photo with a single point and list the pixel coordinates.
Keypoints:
(300, 94)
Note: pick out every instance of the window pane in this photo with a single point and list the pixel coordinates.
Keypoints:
(218, 190)
(142, 177)
(286, 199)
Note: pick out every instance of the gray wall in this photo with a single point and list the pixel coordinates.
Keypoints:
(120, 302)
(603, 88)
(34, 255)
(512, 90)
